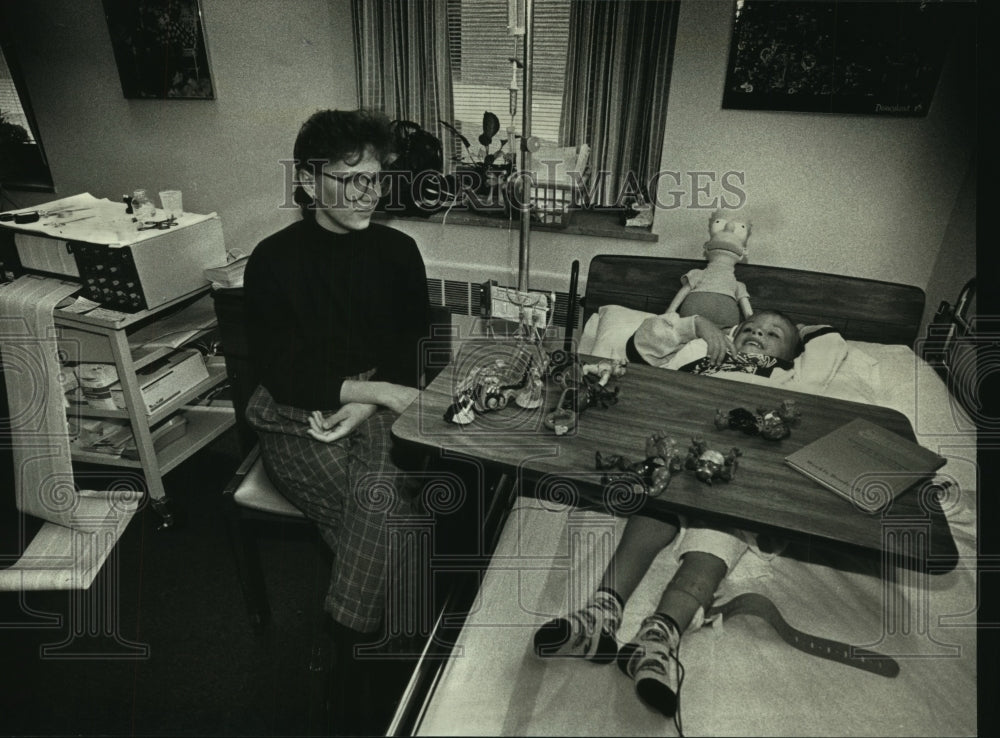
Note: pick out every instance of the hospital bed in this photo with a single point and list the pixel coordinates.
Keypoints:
(740, 677)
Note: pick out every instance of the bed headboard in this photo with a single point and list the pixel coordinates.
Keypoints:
(860, 309)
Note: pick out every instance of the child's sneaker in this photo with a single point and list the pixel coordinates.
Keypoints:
(587, 633)
(651, 660)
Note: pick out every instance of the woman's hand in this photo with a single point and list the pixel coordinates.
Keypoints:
(717, 342)
(337, 425)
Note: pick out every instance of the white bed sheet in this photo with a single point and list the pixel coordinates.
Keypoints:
(740, 678)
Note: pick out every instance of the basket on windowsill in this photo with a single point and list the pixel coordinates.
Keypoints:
(557, 175)
(553, 204)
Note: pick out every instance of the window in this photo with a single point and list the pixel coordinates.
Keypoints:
(600, 77)
(480, 49)
(22, 159)
(10, 105)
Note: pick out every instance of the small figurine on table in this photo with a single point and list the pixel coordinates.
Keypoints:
(595, 384)
(651, 475)
(709, 464)
(772, 425)
(490, 386)
(584, 386)
(560, 421)
(586, 394)
(603, 371)
(530, 395)
(462, 411)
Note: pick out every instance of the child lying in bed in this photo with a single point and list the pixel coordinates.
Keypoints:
(765, 341)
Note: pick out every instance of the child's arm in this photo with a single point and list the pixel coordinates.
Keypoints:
(660, 337)
(717, 343)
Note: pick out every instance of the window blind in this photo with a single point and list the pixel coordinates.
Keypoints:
(10, 101)
(480, 48)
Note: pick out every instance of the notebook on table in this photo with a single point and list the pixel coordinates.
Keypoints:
(865, 463)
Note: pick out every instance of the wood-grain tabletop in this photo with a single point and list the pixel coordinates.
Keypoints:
(765, 493)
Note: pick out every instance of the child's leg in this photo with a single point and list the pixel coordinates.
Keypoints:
(590, 631)
(641, 541)
(693, 586)
(651, 657)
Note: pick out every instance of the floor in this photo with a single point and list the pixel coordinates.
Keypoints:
(174, 654)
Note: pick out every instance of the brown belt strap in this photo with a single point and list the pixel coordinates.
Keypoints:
(752, 603)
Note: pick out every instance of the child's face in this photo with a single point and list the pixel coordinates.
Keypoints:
(766, 334)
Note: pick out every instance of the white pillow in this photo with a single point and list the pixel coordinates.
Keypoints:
(615, 326)
(824, 350)
(589, 335)
(857, 378)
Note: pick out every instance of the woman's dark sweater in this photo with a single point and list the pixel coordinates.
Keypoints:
(323, 306)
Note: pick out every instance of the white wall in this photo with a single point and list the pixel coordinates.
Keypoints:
(856, 195)
(847, 194)
(851, 194)
(952, 269)
(273, 63)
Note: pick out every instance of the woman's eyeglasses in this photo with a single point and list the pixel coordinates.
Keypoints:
(361, 182)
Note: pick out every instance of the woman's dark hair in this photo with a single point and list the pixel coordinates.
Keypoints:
(341, 135)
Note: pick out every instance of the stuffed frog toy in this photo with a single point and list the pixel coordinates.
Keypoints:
(714, 292)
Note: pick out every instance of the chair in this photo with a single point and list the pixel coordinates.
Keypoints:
(255, 506)
(253, 503)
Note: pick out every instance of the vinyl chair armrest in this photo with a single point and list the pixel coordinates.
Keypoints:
(241, 472)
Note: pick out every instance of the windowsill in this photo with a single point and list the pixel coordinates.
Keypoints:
(599, 223)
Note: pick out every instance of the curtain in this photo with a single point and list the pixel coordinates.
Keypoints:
(401, 50)
(617, 80)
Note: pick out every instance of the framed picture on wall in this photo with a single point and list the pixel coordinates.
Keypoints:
(159, 46)
(840, 56)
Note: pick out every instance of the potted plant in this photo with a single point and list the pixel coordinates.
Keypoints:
(483, 163)
(15, 150)
(11, 133)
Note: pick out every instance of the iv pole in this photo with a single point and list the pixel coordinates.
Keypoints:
(524, 204)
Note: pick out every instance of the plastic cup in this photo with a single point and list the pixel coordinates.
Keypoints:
(171, 202)
(142, 206)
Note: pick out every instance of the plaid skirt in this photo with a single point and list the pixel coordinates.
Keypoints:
(351, 489)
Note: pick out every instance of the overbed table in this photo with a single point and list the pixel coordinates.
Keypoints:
(765, 494)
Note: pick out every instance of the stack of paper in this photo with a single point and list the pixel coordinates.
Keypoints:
(176, 329)
(229, 276)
